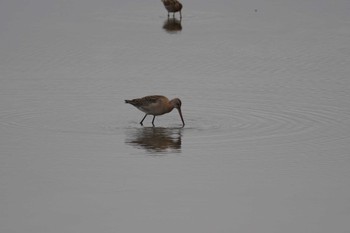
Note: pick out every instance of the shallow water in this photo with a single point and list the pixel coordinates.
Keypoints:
(265, 93)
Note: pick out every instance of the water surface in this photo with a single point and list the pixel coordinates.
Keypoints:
(265, 93)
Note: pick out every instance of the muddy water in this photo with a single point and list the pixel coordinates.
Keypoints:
(266, 105)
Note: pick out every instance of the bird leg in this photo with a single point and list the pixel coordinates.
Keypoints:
(153, 120)
(141, 123)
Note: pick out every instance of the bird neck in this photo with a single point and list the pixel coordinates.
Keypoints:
(170, 107)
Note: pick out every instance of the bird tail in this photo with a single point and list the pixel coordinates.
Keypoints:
(134, 102)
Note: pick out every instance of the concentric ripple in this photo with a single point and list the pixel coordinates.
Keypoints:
(58, 123)
(225, 123)
(267, 123)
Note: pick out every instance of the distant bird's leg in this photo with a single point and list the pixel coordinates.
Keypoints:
(153, 120)
(168, 15)
(180, 15)
(174, 15)
(141, 123)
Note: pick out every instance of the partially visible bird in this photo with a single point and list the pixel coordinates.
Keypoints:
(156, 105)
(172, 6)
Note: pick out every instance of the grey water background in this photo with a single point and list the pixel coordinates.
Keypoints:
(265, 91)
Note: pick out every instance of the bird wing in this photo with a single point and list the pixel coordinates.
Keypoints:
(152, 99)
(150, 104)
(146, 101)
(169, 2)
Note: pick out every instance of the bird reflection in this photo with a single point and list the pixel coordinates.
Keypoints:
(172, 25)
(155, 139)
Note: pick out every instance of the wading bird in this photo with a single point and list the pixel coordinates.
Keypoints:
(156, 105)
(172, 6)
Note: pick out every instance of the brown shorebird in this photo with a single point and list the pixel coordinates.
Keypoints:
(172, 6)
(156, 105)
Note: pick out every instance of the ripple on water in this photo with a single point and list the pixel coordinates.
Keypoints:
(72, 123)
(224, 123)
(267, 123)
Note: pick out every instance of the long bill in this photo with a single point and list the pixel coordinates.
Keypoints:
(182, 119)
